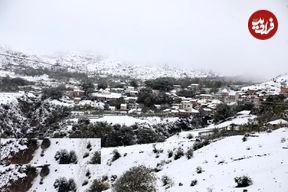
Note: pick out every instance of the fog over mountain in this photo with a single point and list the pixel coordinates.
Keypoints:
(209, 35)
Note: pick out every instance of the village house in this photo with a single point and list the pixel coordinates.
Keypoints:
(206, 96)
(186, 105)
(193, 87)
(106, 95)
(75, 93)
(123, 107)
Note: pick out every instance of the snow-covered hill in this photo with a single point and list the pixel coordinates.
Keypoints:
(93, 65)
(263, 158)
(270, 87)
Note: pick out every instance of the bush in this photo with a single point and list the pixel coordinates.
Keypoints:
(189, 136)
(86, 154)
(62, 185)
(44, 171)
(116, 155)
(243, 181)
(98, 186)
(139, 179)
(85, 182)
(244, 139)
(146, 97)
(193, 182)
(179, 153)
(200, 144)
(63, 157)
(199, 170)
(170, 153)
(96, 158)
(53, 93)
(189, 153)
(222, 112)
(148, 135)
(89, 144)
(166, 181)
(45, 143)
(88, 174)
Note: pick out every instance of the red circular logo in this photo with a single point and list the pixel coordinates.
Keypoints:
(263, 24)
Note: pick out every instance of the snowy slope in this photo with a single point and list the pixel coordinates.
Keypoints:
(265, 160)
(270, 87)
(263, 157)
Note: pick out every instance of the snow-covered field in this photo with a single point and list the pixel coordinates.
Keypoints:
(129, 120)
(263, 157)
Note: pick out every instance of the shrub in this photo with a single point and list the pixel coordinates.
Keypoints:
(199, 170)
(53, 93)
(44, 171)
(189, 136)
(88, 173)
(166, 181)
(98, 186)
(45, 143)
(139, 179)
(89, 146)
(62, 185)
(73, 157)
(96, 158)
(159, 166)
(200, 144)
(170, 153)
(243, 181)
(222, 112)
(179, 153)
(116, 155)
(189, 153)
(113, 178)
(193, 182)
(86, 154)
(85, 182)
(63, 157)
(148, 135)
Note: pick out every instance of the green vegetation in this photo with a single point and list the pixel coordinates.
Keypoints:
(140, 179)
(12, 84)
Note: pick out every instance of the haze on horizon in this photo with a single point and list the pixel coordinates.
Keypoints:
(208, 35)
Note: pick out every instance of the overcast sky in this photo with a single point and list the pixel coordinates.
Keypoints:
(199, 34)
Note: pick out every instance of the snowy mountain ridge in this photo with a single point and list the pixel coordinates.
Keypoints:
(94, 65)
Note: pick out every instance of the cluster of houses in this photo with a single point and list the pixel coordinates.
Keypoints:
(204, 103)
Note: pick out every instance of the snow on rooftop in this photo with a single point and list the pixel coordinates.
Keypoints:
(244, 112)
(107, 95)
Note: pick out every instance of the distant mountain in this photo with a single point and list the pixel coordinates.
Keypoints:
(94, 65)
